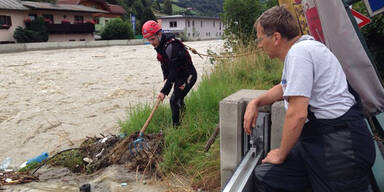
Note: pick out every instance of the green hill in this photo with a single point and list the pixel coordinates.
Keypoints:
(197, 7)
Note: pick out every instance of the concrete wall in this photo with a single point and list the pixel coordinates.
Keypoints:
(204, 28)
(165, 24)
(195, 28)
(232, 110)
(18, 47)
(17, 18)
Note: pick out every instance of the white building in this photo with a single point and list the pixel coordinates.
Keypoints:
(193, 27)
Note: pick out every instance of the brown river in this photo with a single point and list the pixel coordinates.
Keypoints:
(51, 100)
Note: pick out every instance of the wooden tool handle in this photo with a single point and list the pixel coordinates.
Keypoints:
(150, 117)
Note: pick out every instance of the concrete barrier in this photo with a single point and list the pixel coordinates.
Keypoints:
(97, 44)
(277, 119)
(138, 42)
(41, 46)
(117, 42)
(9, 48)
(232, 110)
(71, 44)
(19, 47)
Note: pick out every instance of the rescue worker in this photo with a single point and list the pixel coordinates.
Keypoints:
(176, 64)
(325, 144)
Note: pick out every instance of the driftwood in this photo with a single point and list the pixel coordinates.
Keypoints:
(12, 178)
(212, 138)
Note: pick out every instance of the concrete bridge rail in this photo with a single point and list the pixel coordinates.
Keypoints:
(232, 109)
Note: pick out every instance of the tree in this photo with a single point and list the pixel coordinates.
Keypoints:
(117, 29)
(167, 7)
(239, 17)
(156, 5)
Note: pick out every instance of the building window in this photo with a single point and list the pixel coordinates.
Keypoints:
(189, 23)
(219, 25)
(32, 16)
(189, 34)
(79, 19)
(201, 23)
(5, 20)
(213, 23)
(173, 24)
(193, 23)
(48, 18)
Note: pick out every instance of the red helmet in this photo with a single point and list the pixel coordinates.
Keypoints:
(150, 28)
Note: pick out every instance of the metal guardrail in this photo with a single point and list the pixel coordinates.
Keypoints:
(255, 147)
(242, 176)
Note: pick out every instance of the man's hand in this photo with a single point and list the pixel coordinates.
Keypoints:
(161, 96)
(274, 157)
(250, 116)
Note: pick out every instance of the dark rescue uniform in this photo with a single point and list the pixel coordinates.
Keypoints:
(331, 155)
(178, 70)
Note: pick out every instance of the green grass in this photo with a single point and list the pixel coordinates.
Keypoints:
(176, 8)
(184, 147)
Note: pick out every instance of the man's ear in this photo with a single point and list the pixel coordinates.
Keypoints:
(276, 38)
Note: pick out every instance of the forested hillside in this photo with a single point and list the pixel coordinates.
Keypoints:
(198, 7)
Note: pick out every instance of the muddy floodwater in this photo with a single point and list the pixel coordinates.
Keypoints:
(51, 100)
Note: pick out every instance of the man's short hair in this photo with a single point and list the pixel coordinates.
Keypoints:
(278, 19)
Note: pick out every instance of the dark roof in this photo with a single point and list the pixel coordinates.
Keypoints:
(102, 3)
(116, 9)
(61, 7)
(75, 2)
(12, 4)
(186, 17)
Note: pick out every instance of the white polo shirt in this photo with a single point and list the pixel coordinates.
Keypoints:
(312, 70)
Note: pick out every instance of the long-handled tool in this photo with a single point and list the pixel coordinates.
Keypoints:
(132, 145)
(140, 139)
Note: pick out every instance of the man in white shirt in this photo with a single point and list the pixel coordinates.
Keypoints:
(325, 143)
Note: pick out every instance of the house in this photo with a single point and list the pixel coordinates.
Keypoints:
(12, 14)
(64, 22)
(113, 11)
(193, 27)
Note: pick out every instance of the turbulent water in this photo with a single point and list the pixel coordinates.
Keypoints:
(51, 100)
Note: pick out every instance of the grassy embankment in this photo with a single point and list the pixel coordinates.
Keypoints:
(184, 147)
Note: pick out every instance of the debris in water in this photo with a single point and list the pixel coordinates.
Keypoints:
(9, 178)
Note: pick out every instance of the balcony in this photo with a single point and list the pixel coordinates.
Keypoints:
(70, 28)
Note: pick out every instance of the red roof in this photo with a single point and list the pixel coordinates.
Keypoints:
(78, 2)
(117, 9)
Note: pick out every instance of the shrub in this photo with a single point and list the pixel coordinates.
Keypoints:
(117, 29)
(35, 31)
